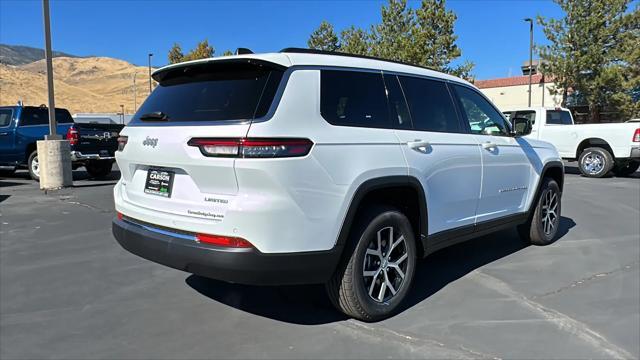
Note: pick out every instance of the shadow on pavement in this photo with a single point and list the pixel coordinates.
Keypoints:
(4, 197)
(309, 305)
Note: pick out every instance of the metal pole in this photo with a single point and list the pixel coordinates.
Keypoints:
(122, 118)
(150, 55)
(135, 95)
(530, 54)
(47, 55)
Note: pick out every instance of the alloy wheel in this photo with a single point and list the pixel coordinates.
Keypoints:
(549, 216)
(593, 163)
(385, 264)
(35, 166)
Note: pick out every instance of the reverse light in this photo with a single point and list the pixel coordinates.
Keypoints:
(72, 136)
(252, 147)
(122, 142)
(225, 241)
(636, 135)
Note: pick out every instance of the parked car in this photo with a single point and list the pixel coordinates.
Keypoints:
(598, 148)
(92, 145)
(314, 167)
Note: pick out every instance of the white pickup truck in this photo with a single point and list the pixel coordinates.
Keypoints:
(598, 148)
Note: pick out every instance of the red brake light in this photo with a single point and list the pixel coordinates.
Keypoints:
(122, 142)
(636, 135)
(226, 241)
(252, 148)
(72, 136)
(120, 216)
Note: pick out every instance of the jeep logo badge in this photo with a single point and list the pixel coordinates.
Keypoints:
(150, 142)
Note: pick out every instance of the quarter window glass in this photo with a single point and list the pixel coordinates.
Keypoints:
(350, 98)
(5, 117)
(483, 118)
(558, 117)
(398, 110)
(40, 116)
(430, 105)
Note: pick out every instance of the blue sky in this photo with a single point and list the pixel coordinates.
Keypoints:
(492, 34)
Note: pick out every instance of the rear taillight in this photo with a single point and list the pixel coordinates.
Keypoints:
(225, 241)
(120, 216)
(72, 136)
(122, 142)
(636, 135)
(252, 147)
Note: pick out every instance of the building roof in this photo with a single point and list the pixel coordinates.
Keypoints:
(509, 81)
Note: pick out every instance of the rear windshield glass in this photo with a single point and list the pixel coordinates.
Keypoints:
(558, 117)
(40, 116)
(232, 91)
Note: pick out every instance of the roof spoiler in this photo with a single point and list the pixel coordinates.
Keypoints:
(221, 62)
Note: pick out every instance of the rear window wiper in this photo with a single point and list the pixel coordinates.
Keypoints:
(155, 116)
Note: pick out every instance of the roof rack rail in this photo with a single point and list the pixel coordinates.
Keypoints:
(296, 50)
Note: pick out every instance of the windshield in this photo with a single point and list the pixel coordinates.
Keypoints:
(206, 93)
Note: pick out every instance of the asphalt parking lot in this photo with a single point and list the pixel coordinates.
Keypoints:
(67, 290)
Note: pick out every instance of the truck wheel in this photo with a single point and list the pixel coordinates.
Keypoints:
(626, 168)
(542, 226)
(99, 168)
(371, 283)
(595, 162)
(34, 166)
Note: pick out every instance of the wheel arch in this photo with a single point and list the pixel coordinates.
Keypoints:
(593, 142)
(31, 147)
(381, 190)
(554, 170)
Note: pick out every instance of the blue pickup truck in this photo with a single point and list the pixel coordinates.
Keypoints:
(92, 145)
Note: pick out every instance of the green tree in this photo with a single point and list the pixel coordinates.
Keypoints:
(355, 41)
(227, 53)
(593, 50)
(323, 38)
(423, 36)
(175, 54)
(202, 51)
(392, 39)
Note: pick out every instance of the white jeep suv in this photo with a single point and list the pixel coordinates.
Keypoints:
(312, 167)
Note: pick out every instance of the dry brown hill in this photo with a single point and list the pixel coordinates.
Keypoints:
(94, 84)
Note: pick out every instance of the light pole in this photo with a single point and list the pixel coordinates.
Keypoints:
(47, 54)
(122, 112)
(530, 21)
(150, 55)
(135, 95)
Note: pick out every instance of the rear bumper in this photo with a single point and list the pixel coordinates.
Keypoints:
(78, 156)
(244, 266)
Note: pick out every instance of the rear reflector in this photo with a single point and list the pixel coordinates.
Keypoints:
(226, 241)
(120, 216)
(636, 135)
(252, 147)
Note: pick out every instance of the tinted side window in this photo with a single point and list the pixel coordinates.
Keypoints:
(558, 117)
(5, 117)
(430, 105)
(40, 116)
(483, 118)
(398, 111)
(350, 98)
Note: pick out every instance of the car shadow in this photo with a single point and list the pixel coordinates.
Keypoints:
(309, 304)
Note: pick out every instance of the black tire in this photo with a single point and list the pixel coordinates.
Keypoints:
(99, 168)
(34, 166)
(349, 287)
(536, 231)
(602, 159)
(626, 168)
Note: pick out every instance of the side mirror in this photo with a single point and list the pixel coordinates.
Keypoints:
(521, 126)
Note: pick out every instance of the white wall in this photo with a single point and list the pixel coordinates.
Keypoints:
(509, 97)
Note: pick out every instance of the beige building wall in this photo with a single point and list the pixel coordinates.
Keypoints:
(509, 97)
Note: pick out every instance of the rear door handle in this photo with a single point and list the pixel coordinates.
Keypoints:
(418, 145)
(489, 145)
(4, 133)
